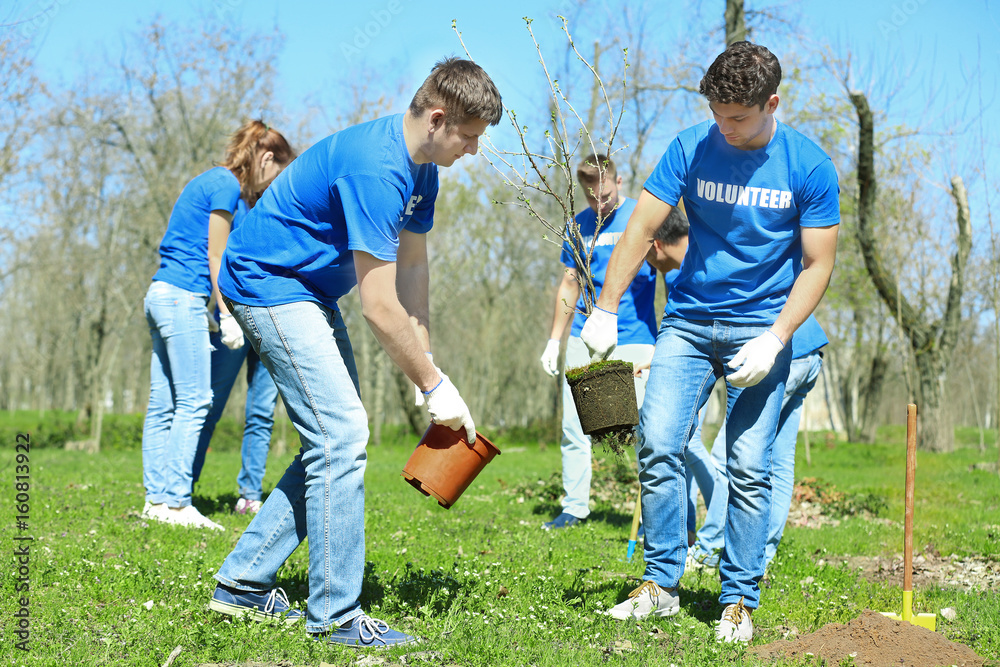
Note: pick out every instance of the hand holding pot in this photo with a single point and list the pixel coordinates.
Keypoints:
(600, 333)
(447, 408)
(755, 359)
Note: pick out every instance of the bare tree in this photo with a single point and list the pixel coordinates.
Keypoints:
(129, 141)
(932, 342)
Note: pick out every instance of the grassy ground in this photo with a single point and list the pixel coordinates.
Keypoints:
(481, 582)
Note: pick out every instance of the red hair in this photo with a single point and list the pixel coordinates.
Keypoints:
(253, 138)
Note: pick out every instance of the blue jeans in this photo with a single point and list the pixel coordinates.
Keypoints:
(700, 475)
(576, 453)
(180, 391)
(690, 357)
(262, 396)
(802, 376)
(322, 494)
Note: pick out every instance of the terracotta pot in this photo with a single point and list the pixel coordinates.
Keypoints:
(605, 398)
(444, 463)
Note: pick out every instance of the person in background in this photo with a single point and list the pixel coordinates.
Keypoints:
(176, 307)
(261, 396)
(608, 211)
(354, 209)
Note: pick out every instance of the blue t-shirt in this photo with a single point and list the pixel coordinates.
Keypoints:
(184, 248)
(636, 320)
(354, 190)
(808, 338)
(745, 209)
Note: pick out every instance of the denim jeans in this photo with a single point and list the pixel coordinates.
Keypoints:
(700, 476)
(262, 396)
(322, 494)
(690, 356)
(802, 376)
(576, 453)
(180, 391)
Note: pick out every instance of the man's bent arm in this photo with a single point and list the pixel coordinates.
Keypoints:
(413, 283)
(631, 249)
(389, 320)
(819, 254)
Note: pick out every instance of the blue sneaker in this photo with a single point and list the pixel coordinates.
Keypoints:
(259, 606)
(564, 520)
(366, 632)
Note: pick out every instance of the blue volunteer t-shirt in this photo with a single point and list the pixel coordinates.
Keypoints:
(354, 190)
(808, 338)
(636, 320)
(745, 209)
(184, 248)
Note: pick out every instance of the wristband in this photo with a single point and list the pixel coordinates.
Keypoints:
(778, 337)
(223, 316)
(606, 311)
(428, 393)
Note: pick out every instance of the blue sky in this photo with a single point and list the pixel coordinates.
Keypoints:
(931, 43)
(326, 38)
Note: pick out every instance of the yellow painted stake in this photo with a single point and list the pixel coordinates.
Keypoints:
(928, 621)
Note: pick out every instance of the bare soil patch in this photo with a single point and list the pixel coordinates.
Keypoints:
(873, 640)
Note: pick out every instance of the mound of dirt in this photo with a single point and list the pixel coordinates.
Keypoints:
(876, 641)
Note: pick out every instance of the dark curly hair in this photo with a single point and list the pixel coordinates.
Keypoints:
(745, 73)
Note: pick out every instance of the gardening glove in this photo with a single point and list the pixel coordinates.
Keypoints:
(232, 334)
(550, 357)
(755, 359)
(418, 396)
(600, 333)
(447, 408)
(213, 324)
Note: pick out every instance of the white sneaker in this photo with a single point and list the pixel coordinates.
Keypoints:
(153, 511)
(735, 625)
(645, 600)
(188, 517)
(247, 506)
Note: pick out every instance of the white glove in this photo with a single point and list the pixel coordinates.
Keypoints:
(550, 357)
(755, 359)
(418, 396)
(213, 324)
(600, 333)
(447, 408)
(232, 334)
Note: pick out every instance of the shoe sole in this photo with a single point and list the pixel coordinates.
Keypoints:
(378, 646)
(659, 613)
(170, 521)
(237, 611)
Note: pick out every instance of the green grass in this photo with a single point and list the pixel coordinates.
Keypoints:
(480, 582)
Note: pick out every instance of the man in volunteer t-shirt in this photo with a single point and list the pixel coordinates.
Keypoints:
(762, 202)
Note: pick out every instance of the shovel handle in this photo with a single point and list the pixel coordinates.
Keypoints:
(911, 469)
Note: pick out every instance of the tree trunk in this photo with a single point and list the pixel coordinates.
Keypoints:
(736, 27)
(932, 342)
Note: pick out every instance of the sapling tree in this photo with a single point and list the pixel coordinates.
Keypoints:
(540, 169)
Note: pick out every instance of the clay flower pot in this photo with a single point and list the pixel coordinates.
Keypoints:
(444, 463)
(604, 394)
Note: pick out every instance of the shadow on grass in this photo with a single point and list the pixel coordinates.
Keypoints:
(221, 504)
